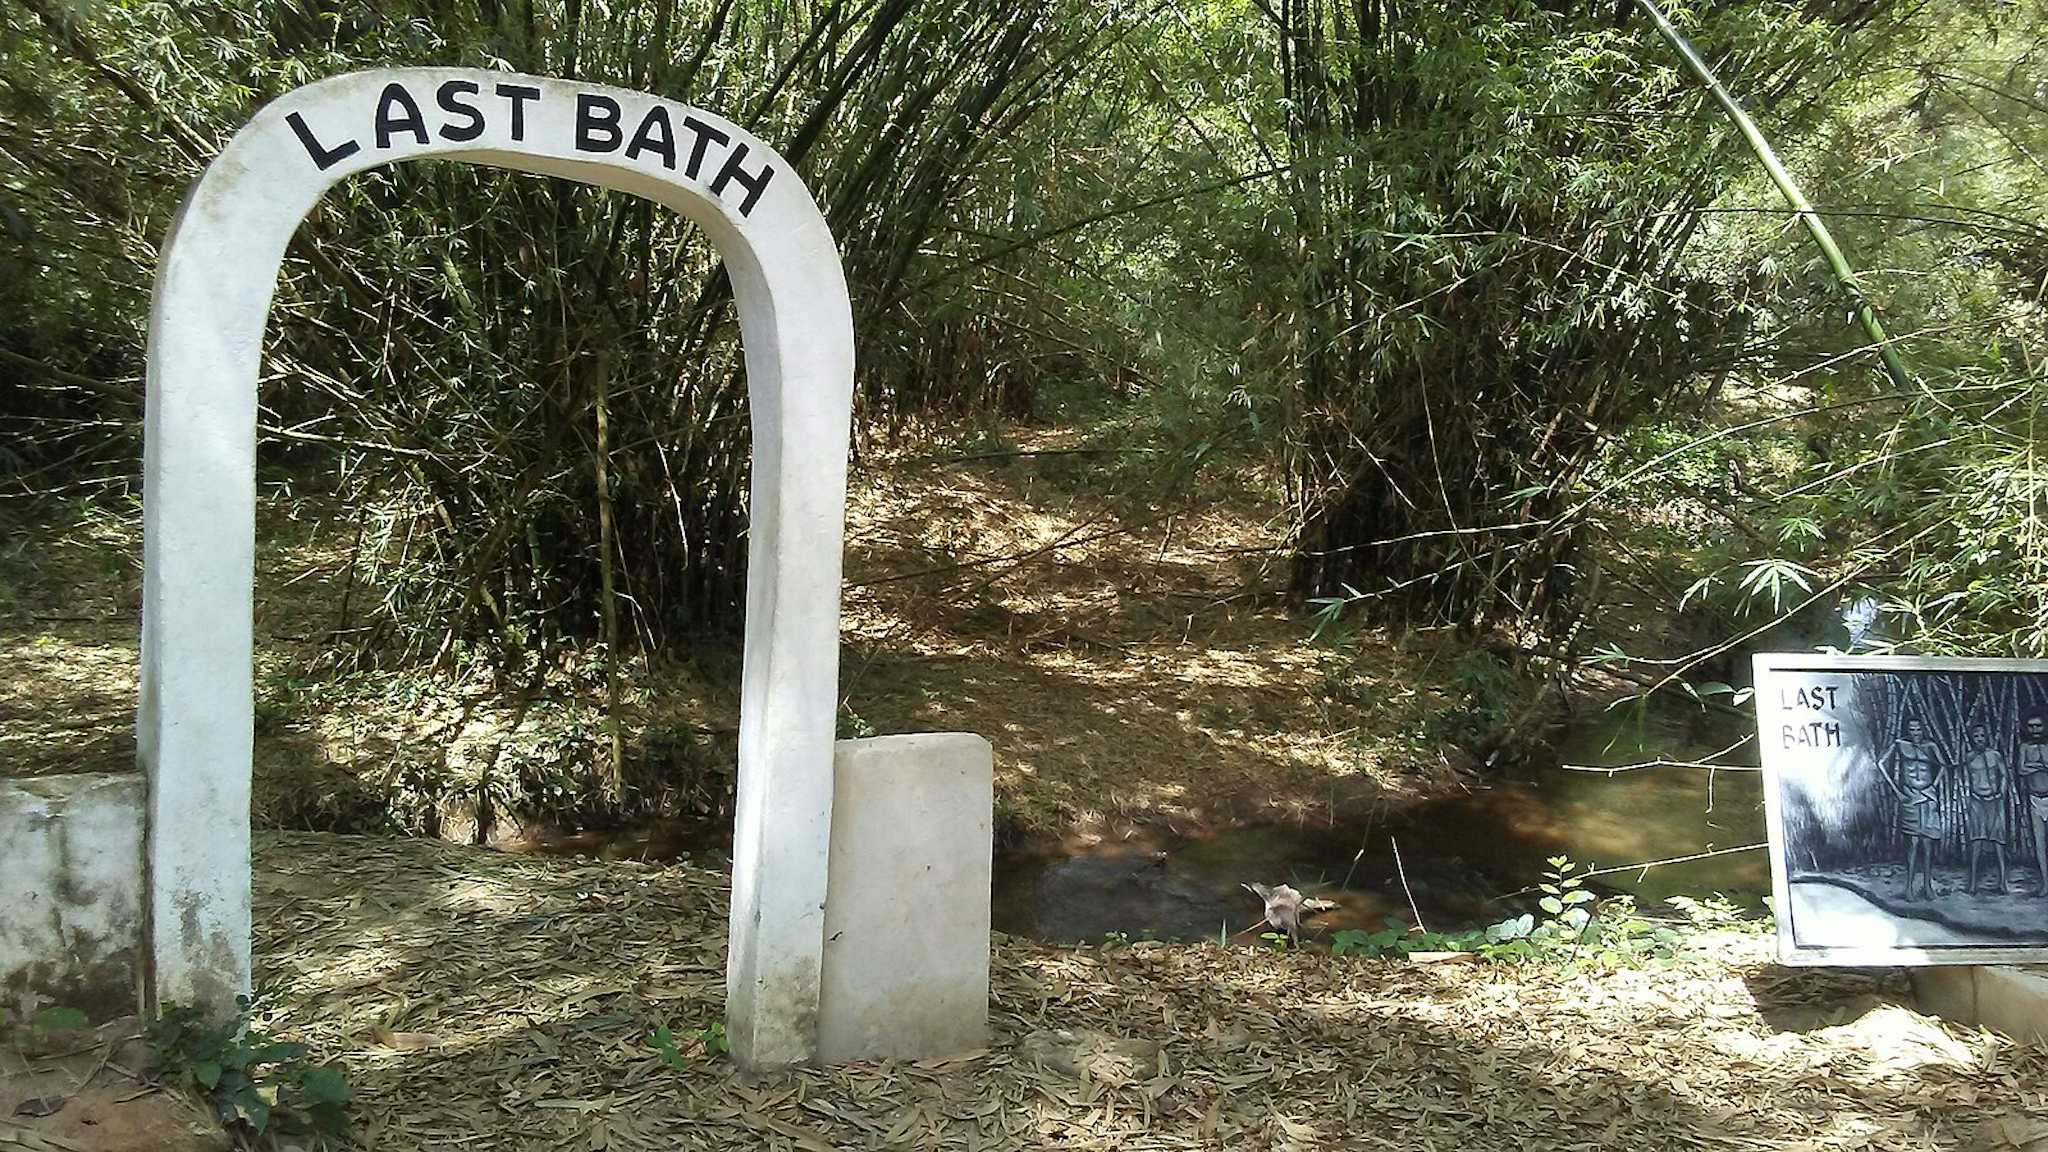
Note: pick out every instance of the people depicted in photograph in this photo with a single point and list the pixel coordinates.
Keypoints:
(1914, 773)
(1988, 780)
(2033, 779)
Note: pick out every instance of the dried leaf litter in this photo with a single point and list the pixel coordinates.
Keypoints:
(492, 1001)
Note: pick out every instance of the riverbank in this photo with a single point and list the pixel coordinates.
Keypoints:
(1127, 655)
(493, 1001)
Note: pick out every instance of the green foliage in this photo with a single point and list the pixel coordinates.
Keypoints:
(58, 1018)
(447, 332)
(1720, 913)
(852, 725)
(1807, 500)
(255, 1083)
(1514, 331)
(1482, 299)
(1487, 695)
(708, 1042)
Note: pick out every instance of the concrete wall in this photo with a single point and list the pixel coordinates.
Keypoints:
(2005, 998)
(70, 894)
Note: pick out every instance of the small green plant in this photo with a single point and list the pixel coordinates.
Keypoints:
(257, 1085)
(709, 1042)
(852, 725)
(711, 1038)
(1720, 913)
(1398, 939)
(1565, 896)
(58, 1018)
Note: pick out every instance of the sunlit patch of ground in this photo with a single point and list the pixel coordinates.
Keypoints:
(68, 607)
(1132, 661)
(481, 1000)
(67, 701)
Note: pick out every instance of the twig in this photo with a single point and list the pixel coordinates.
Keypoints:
(978, 456)
(106, 1057)
(1620, 768)
(1661, 762)
(1359, 855)
(1405, 890)
(1644, 866)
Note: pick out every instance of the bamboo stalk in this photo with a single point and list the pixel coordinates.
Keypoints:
(1818, 229)
(608, 604)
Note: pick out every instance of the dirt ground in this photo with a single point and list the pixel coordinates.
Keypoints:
(485, 1000)
(1126, 655)
(88, 1091)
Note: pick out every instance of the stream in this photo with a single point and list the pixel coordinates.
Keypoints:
(1463, 858)
(1460, 855)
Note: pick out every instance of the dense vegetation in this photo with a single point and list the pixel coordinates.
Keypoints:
(1492, 288)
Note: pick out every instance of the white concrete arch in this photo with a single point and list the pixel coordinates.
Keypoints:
(216, 276)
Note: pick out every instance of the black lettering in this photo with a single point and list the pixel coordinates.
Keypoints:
(446, 97)
(1813, 734)
(645, 138)
(395, 96)
(323, 157)
(518, 94)
(595, 133)
(706, 134)
(755, 183)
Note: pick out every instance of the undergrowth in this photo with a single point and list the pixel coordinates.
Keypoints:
(259, 1087)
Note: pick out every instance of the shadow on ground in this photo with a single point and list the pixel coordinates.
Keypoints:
(492, 1001)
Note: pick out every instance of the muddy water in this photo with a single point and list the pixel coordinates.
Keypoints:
(1462, 857)
(1459, 860)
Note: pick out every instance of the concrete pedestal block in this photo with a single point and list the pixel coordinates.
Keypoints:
(2005, 998)
(907, 907)
(70, 894)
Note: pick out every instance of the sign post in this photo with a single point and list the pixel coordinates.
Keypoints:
(1907, 802)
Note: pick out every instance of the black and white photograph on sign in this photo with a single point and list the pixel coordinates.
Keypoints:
(1909, 807)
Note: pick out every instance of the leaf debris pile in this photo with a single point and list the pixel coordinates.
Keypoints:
(484, 1000)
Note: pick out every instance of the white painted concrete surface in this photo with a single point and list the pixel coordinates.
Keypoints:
(907, 915)
(215, 279)
(70, 894)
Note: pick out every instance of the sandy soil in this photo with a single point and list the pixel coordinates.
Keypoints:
(87, 1091)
